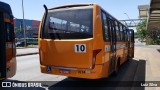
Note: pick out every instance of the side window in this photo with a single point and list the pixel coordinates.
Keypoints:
(132, 36)
(112, 32)
(113, 29)
(124, 35)
(9, 32)
(117, 31)
(105, 26)
(121, 32)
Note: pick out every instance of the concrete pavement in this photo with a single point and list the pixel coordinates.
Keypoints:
(152, 67)
(152, 57)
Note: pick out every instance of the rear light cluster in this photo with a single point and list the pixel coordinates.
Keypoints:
(95, 52)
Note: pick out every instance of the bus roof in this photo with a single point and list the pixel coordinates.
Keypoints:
(72, 5)
(78, 5)
(5, 7)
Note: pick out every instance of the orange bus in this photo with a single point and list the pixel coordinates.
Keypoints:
(82, 41)
(7, 42)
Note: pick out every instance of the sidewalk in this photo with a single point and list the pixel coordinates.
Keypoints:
(26, 51)
(152, 58)
(154, 46)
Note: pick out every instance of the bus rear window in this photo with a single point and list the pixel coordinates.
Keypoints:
(70, 23)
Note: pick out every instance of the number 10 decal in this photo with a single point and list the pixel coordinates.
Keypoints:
(80, 48)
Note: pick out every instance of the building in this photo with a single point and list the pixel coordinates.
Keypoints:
(31, 27)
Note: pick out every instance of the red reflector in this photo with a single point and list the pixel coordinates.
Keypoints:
(95, 52)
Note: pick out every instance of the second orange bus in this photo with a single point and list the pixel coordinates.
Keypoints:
(83, 41)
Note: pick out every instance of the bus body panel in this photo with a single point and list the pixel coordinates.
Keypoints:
(121, 51)
(11, 67)
(63, 53)
(11, 59)
(98, 42)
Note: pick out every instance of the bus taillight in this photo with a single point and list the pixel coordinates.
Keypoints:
(95, 52)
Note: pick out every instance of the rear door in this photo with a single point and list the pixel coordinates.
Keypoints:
(2, 48)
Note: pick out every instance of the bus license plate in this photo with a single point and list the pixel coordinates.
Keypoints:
(65, 71)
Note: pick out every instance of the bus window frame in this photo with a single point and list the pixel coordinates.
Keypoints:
(123, 27)
(113, 29)
(117, 31)
(10, 34)
(122, 33)
(132, 36)
(120, 39)
(126, 35)
(103, 27)
(8, 21)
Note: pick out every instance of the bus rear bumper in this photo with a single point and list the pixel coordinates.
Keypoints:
(96, 73)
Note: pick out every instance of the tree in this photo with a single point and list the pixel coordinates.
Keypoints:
(141, 30)
(149, 36)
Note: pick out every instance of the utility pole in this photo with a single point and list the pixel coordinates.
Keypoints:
(24, 28)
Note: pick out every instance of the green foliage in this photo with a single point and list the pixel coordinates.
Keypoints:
(141, 30)
(150, 41)
(157, 41)
(153, 41)
(144, 34)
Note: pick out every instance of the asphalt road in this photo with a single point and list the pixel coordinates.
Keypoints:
(28, 70)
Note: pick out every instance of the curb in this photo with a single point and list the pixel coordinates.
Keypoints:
(27, 54)
(139, 75)
(140, 71)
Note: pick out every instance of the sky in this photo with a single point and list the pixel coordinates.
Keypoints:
(33, 9)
